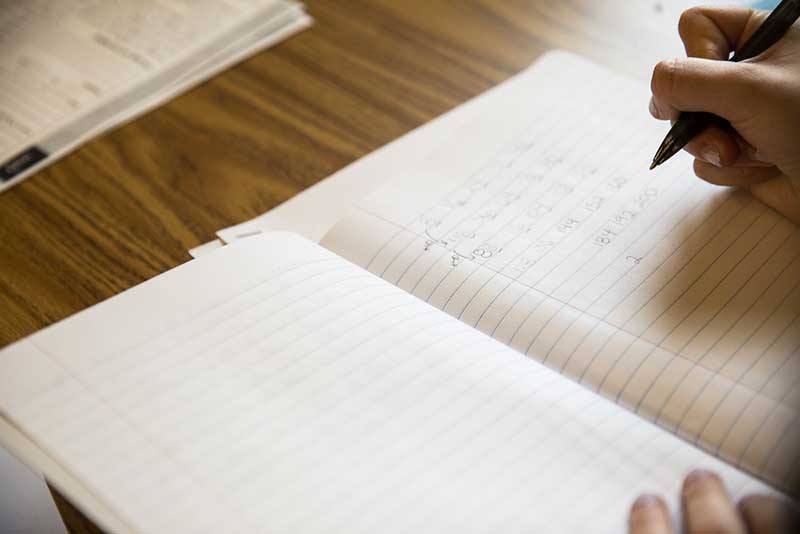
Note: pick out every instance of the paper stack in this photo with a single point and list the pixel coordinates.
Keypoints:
(72, 69)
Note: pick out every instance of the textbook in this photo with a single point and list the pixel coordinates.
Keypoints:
(521, 331)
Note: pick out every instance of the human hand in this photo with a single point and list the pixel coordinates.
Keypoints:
(759, 97)
(707, 509)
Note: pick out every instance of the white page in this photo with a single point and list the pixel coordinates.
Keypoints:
(272, 386)
(19, 445)
(26, 505)
(539, 224)
(106, 62)
(313, 212)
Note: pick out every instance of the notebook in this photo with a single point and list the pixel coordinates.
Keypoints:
(521, 331)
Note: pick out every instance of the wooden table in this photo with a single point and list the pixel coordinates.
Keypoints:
(129, 205)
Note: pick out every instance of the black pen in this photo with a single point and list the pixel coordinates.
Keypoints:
(690, 124)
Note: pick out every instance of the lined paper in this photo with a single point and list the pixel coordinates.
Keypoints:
(674, 298)
(299, 393)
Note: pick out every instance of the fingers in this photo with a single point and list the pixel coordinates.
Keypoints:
(716, 146)
(722, 147)
(768, 515)
(649, 515)
(702, 35)
(729, 90)
(766, 184)
(714, 32)
(662, 110)
(734, 176)
(707, 509)
(781, 194)
(707, 506)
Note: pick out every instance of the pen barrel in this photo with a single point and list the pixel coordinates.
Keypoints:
(692, 123)
(770, 32)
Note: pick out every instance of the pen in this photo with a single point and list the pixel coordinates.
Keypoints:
(690, 124)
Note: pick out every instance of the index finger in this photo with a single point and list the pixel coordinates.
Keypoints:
(715, 32)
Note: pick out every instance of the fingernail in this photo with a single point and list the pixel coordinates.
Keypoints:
(654, 110)
(698, 475)
(647, 500)
(755, 155)
(711, 155)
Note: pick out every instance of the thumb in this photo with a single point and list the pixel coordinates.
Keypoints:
(726, 89)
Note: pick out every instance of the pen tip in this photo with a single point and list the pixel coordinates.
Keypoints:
(653, 165)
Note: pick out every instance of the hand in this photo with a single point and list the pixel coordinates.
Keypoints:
(760, 98)
(707, 509)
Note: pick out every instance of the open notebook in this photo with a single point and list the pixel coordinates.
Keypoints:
(520, 333)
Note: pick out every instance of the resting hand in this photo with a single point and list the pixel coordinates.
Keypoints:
(707, 509)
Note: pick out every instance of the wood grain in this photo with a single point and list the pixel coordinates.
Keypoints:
(128, 206)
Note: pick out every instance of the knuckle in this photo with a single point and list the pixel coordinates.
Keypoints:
(665, 75)
(688, 21)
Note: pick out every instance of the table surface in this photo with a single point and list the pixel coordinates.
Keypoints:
(130, 204)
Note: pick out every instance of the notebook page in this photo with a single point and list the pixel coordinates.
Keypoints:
(541, 226)
(31, 455)
(274, 387)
